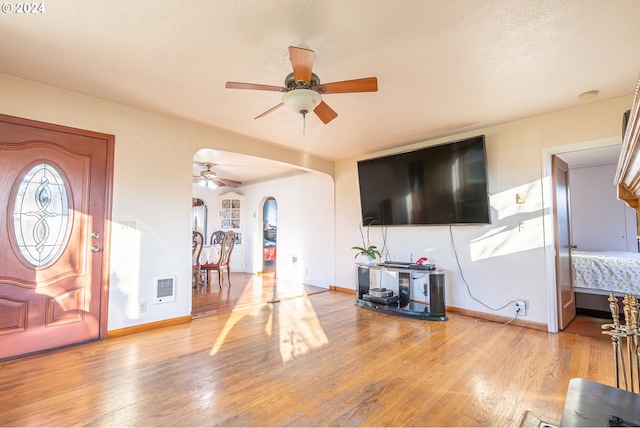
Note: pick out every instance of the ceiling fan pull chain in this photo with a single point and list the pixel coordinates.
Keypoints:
(304, 121)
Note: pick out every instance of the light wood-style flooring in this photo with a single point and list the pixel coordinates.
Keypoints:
(312, 360)
(246, 291)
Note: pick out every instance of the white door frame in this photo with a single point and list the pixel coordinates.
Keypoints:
(548, 219)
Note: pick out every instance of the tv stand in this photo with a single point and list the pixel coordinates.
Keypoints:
(404, 305)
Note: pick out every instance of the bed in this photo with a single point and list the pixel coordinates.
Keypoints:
(596, 274)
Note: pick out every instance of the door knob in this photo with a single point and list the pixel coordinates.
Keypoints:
(95, 249)
(573, 247)
(95, 235)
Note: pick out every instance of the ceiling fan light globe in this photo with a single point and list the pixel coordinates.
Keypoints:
(208, 184)
(301, 100)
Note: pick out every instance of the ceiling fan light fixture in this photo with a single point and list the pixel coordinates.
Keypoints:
(209, 175)
(301, 100)
(208, 184)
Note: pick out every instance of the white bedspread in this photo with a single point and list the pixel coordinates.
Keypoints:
(609, 270)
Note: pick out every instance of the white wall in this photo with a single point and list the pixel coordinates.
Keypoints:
(599, 220)
(305, 225)
(499, 262)
(305, 240)
(152, 188)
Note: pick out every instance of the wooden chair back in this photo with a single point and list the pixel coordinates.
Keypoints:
(197, 241)
(216, 237)
(228, 241)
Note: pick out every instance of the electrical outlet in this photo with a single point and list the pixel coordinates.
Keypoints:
(521, 308)
(143, 307)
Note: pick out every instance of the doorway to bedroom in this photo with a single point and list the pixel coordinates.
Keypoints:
(599, 222)
(269, 236)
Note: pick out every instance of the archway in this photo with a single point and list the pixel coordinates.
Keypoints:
(269, 236)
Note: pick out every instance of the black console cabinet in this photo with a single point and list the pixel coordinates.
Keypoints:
(434, 311)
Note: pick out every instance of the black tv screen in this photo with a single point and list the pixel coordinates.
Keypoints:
(443, 184)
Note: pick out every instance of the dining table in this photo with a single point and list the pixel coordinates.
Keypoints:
(210, 254)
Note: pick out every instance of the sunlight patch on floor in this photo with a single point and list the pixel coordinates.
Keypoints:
(292, 319)
(248, 295)
(299, 328)
(290, 289)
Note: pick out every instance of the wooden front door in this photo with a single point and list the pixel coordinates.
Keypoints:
(562, 215)
(55, 202)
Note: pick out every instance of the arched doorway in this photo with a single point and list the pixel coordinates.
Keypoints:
(269, 236)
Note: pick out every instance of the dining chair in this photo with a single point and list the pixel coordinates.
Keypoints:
(197, 242)
(226, 246)
(216, 237)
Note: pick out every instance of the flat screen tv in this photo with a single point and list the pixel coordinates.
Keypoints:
(443, 184)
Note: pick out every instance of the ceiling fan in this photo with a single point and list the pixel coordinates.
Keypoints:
(303, 90)
(209, 178)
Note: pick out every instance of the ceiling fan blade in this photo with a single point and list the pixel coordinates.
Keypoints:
(302, 61)
(367, 84)
(325, 113)
(269, 111)
(227, 182)
(255, 86)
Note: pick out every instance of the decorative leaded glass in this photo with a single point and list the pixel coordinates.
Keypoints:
(41, 214)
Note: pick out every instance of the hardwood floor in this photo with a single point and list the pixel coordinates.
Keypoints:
(584, 325)
(313, 360)
(246, 291)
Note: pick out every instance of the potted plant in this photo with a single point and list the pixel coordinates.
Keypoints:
(367, 251)
(369, 254)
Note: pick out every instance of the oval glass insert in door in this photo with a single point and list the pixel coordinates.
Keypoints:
(41, 214)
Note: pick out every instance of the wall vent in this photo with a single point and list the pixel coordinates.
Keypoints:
(165, 289)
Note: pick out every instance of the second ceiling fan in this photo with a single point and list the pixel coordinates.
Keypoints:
(303, 90)
(208, 178)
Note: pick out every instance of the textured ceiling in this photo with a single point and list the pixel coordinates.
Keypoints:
(442, 65)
